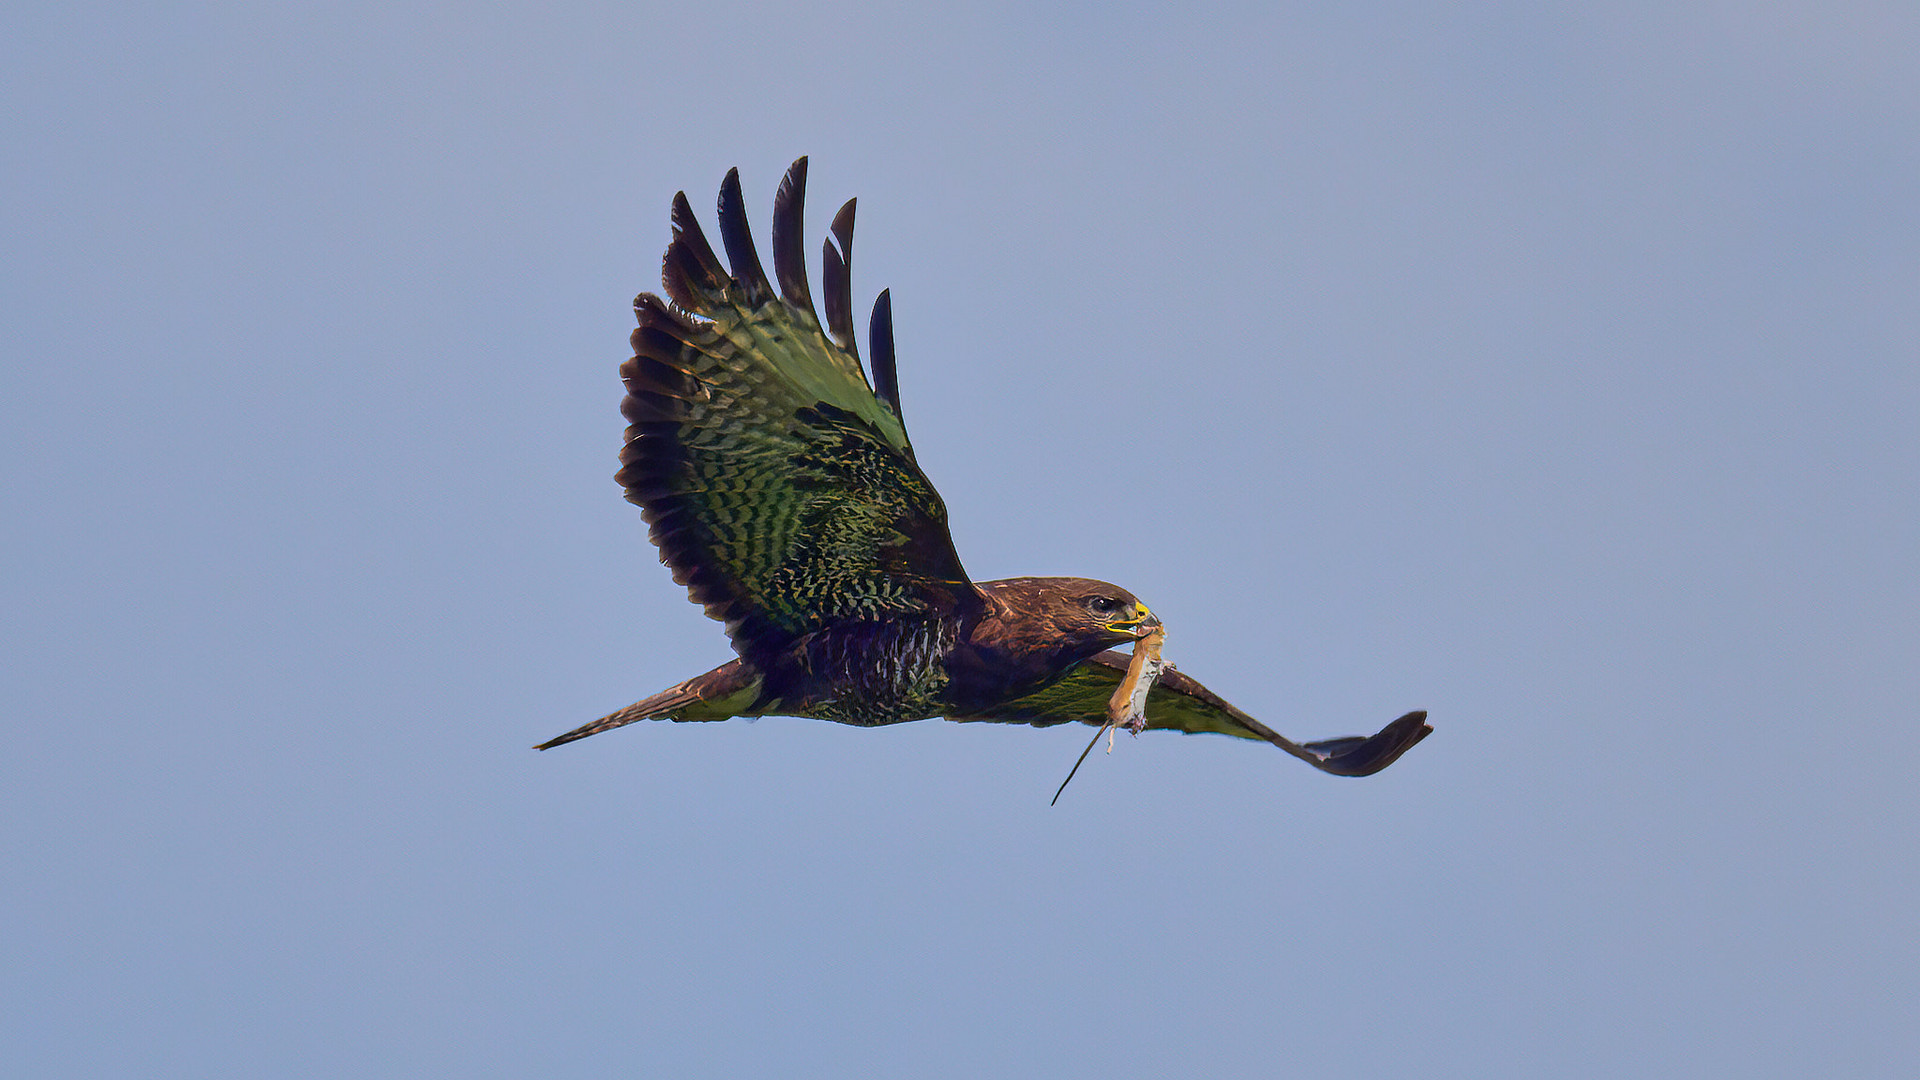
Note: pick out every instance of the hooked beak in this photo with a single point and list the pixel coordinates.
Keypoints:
(1144, 622)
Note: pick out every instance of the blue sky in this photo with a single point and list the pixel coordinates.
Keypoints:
(1551, 369)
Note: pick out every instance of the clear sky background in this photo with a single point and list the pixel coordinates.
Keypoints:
(1552, 367)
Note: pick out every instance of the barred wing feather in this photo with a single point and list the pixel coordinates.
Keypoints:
(780, 490)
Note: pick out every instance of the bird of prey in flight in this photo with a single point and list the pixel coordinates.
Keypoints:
(782, 490)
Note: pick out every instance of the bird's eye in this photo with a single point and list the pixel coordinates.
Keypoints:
(1104, 605)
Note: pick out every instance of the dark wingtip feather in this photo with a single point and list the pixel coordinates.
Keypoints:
(837, 277)
(691, 273)
(739, 242)
(789, 254)
(886, 381)
(1355, 756)
(843, 228)
(839, 307)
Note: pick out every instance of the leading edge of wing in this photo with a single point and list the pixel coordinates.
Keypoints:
(1180, 703)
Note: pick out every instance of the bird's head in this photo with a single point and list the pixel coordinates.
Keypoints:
(1117, 612)
(1081, 614)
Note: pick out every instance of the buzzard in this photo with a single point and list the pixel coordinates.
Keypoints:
(782, 490)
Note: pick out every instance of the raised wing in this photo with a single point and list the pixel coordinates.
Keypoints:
(1178, 703)
(781, 491)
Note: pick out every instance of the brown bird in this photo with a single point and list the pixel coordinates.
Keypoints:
(783, 492)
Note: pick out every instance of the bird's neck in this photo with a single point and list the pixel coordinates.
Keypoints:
(999, 657)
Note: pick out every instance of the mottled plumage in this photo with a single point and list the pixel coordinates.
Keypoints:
(783, 492)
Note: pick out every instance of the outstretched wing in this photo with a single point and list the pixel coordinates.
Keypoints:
(1178, 703)
(780, 489)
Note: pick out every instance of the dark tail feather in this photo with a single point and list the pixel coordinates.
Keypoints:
(789, 257)
(739, 241)
(886, 381)
(837, 277)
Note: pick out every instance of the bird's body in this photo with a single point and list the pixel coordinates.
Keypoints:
(1026, 634)
(783, 492)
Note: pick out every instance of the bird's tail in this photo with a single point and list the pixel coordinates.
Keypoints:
(726, 691)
